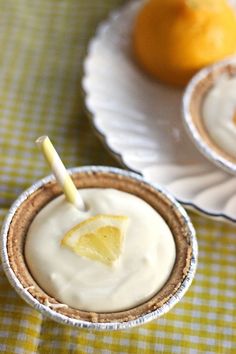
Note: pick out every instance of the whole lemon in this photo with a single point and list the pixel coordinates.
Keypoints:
(174, 38)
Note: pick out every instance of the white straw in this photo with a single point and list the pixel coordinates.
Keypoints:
(60, 172)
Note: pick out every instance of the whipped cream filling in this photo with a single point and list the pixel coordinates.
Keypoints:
(219, 113)
(144, 266)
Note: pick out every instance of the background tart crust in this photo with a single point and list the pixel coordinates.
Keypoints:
(199, 93)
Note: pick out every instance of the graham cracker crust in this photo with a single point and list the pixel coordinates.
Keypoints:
(198, 95)
(30, 207)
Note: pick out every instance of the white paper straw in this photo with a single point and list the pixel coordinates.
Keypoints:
(60, 172)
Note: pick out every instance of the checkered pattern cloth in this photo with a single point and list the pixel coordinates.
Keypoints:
(43, 44)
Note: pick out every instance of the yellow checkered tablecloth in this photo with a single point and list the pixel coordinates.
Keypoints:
(43, 44)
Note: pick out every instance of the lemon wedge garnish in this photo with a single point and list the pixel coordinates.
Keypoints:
(99, 238)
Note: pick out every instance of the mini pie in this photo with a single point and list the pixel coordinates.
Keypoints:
(193, 98)
(100, 179)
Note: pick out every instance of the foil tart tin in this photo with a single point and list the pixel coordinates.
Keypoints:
(54, 315)
(211, 152)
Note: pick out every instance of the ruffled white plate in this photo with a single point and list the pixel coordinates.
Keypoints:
(140, 121)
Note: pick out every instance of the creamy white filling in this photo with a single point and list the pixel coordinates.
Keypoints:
(219, 108)
(143, 268)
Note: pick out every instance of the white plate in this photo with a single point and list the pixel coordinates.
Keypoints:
(140, 121)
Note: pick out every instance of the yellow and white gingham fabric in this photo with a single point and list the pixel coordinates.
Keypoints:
(43, 44)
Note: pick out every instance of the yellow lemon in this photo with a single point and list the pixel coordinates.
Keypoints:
(175, 38)
(99, 238)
